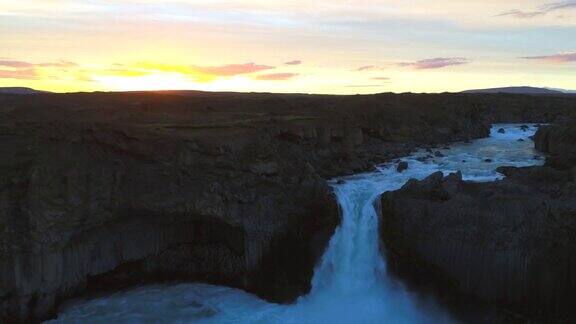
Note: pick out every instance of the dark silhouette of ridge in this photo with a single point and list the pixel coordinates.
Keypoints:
(19, 90)
(518, 90)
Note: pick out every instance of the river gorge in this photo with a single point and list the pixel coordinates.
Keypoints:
(271, 207)
(350, 283)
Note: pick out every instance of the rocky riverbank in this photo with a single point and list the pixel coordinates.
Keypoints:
(100, 191)
(509, 243)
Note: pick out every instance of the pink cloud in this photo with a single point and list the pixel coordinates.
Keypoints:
(16, 64)
(276, 76)
(381, 78)
(22, 64)
(556, 58)
(26, 74)
(232, 69)
(295, 62)
(435, 63)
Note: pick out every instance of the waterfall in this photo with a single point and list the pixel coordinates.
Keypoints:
(352, 261)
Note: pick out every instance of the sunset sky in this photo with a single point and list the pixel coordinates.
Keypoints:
(322, 46)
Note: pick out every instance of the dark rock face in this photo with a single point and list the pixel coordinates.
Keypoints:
(559, 142)
(101, 191)
(508, 242)
(103, 208)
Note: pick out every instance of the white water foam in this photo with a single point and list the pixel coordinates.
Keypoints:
(350, 285)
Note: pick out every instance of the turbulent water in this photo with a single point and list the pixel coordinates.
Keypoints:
(350, 285)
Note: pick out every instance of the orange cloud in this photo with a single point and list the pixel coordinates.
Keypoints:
(202, 73)
(231, 69)
(276, 76)
(60, 64)
(26, 74)
(15, 64)
(364, 85)
(23, 64)
(23, 70)
(127, 72)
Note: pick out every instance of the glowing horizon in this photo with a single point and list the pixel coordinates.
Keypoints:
(336, 47)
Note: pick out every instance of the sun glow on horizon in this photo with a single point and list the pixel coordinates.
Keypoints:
(170, 81)
(156, 81)
(295, 46)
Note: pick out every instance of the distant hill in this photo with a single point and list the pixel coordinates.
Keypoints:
(518, 90)
(563, 90)
(19, 90)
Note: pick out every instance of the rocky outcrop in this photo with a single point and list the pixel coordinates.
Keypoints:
(509, 242)
(559, 142)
